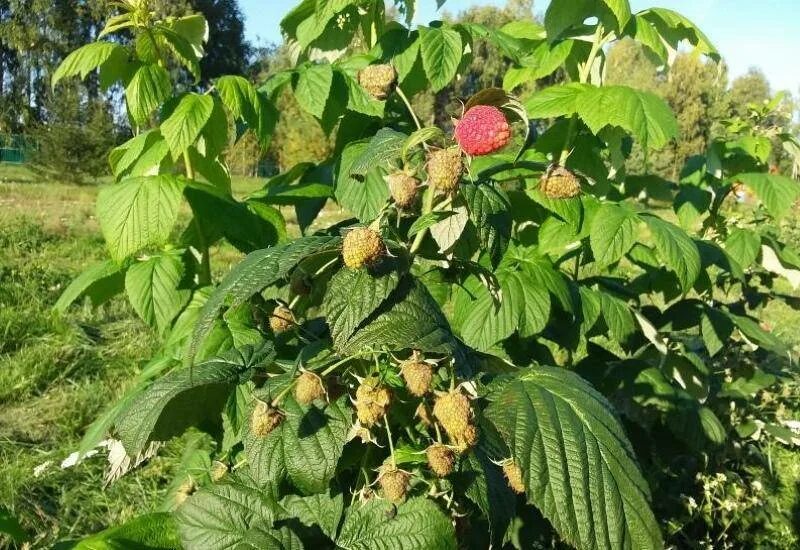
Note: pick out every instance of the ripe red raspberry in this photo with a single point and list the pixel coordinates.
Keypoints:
(483, 130)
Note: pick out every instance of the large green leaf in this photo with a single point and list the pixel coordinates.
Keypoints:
(523, 304)
(10, 526)
(416, 524)
(490, 211)
(142, 155)
(364, 196)
(616, 313)
(313, 88)
(613, 233)
(676, 249)
(778, 193)
(563, 14)
(578, 467)
(743, 245)
(245, 103)
(219, 516)
(485, 485)
(320, 510)
(352, 296)
(85, 59)
(386, 145)
(257, 271)
(409, 319)
(441, 50)
(556, 101)
(171, 404)
(138, 212)
(157, 531)
(183, 126)
(645, 115)
(305, 448)
(545, 59)
(100, 282)
(673, 28)
(148, 88)
(154, 291)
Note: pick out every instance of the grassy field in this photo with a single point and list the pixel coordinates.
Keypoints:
(58, 372)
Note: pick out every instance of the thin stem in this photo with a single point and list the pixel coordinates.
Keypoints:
(409, 107)
(577, 264)
(391, 445)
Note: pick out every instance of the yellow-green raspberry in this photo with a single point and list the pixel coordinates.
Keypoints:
(281, 319)
(560, 183)
(445, 168)
(372, 402)
(441, 459)
(378, 80)
(418, 375)
(361, 247)
(309, 388)
(404, 189)
(264, 419)
(394, 483)
(453, 412)
(513, 475)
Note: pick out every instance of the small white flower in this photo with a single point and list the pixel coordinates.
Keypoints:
(757, 487)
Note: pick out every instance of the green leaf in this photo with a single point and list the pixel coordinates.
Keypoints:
(245, 103)
(618, 316)
(320, 510)
(676, 249)
(750, 328)
(138, 212)
(716, 329)
(170, 405)
(352, 296)
(359, 100)
(441, 51)
(555, 101)
(777, 193)
(313, 88)
(187, 121)
(674, 28)
(256, 272)
(154, 291)
(613, 233)
(409, 319)
(563, 14)
(183, 50)
(386, 145)
(621, 10)
(690, 205)
(578, 467)
(645, 115)
(157, 531)
(218, 516)
(490, 211)
(419, 137)
(743, 245)
(363, 196)
(428, 220)
(545, 59)
(143, 155)
(260, 538)
(417, 523)
(85, 59)
(313, 439)
(148, 88)
(100, 283)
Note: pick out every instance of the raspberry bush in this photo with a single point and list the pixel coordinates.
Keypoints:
(505, 344)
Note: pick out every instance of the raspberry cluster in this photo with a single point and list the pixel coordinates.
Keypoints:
(513, 475)
(372, 402)
(378, 80)
(281, 319)
(560, 183)
(441, 459)
(264, 419)
(454, 413)
(445, 168)
(394, 482)
(418, 375)
(309, 388)
(404, 189)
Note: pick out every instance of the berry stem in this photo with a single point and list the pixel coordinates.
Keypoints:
(408, 106)
(391, 445)
(426, 209)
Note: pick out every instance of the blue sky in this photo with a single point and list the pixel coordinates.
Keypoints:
(763, 33)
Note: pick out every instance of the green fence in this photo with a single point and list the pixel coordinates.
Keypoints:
(15, 148)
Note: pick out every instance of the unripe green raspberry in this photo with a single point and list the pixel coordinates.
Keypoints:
(264, 419)
(281, 319)
(394, 483)
(403, 188)
(445, 168)
(440, 459)
(372, 402)
(308, 388)
(560, 183)
(418, 375)
(378, 80)
(513, 475)
(361, 247)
